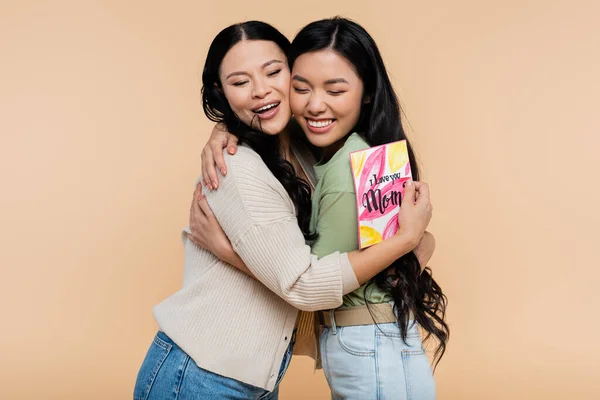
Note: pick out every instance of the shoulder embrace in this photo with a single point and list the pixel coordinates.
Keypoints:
(245, 169)
(245, 160)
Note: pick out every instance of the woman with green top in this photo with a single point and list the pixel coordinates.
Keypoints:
(342, 98)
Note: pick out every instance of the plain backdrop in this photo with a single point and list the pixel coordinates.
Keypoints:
(101, 131)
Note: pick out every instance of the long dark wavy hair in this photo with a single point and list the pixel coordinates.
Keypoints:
(217, 109)
(380, 122)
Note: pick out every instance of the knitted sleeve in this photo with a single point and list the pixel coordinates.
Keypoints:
(259, 218)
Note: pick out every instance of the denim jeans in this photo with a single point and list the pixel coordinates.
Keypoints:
(372, 362)
(169, 373)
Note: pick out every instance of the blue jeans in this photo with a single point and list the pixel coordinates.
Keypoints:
(169, 373)
(372, 362)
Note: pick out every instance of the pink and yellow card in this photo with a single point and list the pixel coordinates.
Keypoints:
(379, 176)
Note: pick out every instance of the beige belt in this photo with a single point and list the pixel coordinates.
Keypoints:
(358, 315)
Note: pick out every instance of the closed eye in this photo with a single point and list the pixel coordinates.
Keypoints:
(241, 83)
(300, 90)
(336, 93)
(274, 73)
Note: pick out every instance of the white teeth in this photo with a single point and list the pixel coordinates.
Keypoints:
(320, 124)
(266, 107)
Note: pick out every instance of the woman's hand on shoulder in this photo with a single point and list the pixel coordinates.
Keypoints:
(206, 230)
(212, 155)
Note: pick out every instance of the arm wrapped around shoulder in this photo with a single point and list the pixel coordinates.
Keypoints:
(259, 218)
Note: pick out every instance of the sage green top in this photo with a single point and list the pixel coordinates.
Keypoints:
(334, 216)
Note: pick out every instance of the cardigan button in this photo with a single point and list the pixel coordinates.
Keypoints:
(285, 338)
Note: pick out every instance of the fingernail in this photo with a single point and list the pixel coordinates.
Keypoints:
(223, 172)
(409, 182)
(215, 184)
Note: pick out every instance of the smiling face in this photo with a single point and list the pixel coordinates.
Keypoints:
(256, 81)
(326, 98)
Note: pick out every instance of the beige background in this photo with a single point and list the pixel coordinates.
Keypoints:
(101, 131)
